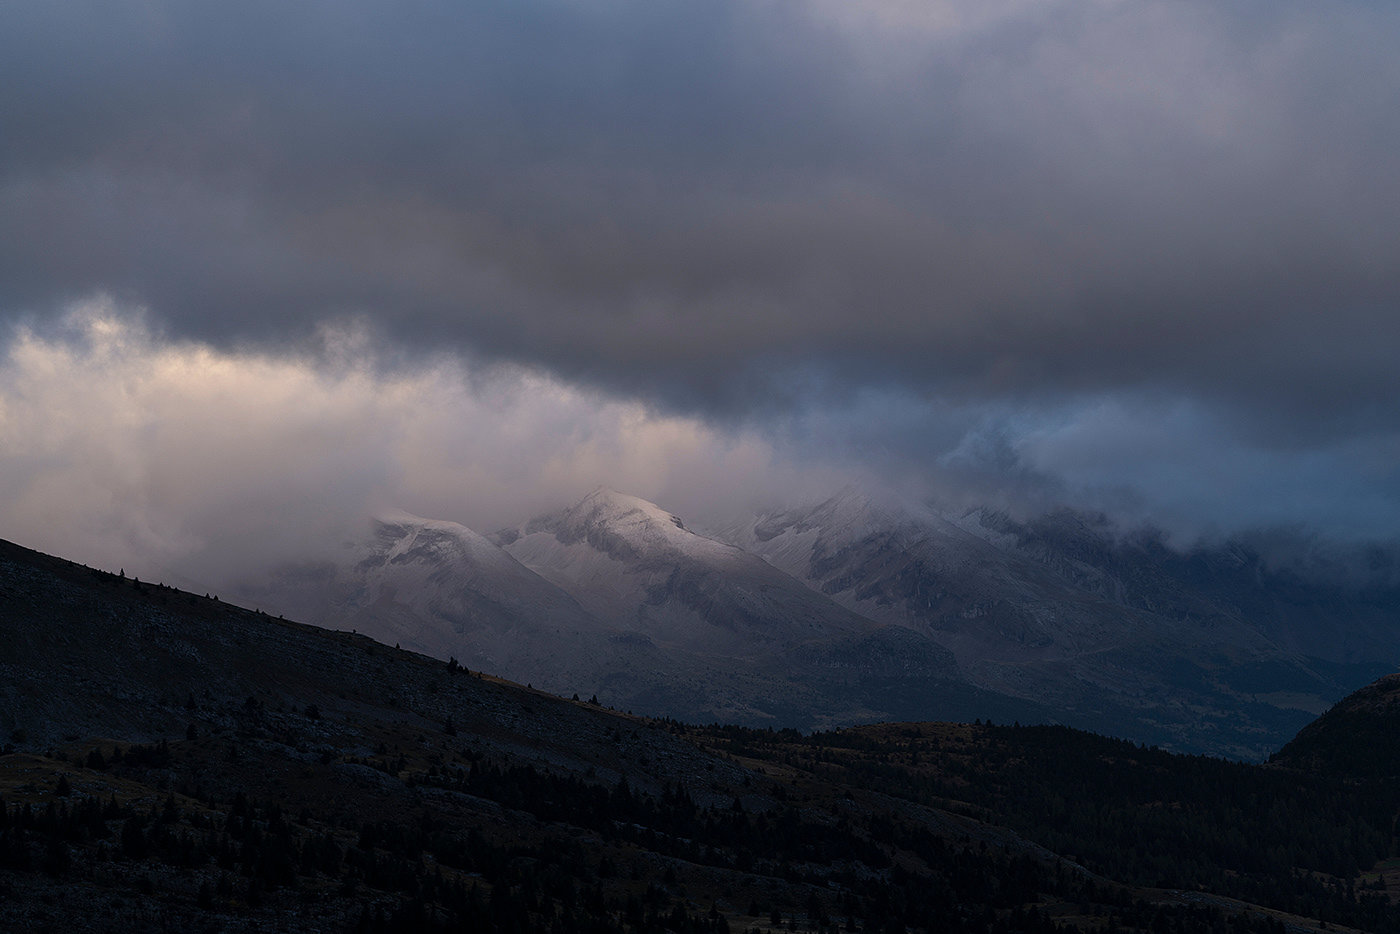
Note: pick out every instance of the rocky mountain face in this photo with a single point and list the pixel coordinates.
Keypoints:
(1209, 649)
(1337, 603)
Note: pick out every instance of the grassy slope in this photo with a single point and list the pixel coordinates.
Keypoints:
(276, 772)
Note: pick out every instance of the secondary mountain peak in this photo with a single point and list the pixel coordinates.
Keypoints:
(850, 510)
(402, 538)
(622, 527)
(608, 507)
(609, 502)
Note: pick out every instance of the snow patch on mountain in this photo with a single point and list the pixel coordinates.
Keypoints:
(632, 562)
(401, 540)
(628, 528)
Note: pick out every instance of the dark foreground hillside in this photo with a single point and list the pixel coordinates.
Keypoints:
(174, 763)
(1355, 740)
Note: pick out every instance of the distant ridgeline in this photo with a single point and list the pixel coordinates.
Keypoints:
(854, 611)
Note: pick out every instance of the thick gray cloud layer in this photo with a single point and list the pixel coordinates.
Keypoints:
(986, 239)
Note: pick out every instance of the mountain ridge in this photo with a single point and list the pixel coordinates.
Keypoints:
(659, 565)
(858, 609)
(1111, 629)
(173, 760)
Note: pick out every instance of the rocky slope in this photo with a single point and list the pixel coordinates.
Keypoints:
(1122, 635)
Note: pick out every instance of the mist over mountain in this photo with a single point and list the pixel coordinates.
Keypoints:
(1069, 610)
(859, 609)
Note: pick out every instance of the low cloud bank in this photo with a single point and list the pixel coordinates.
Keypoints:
(176, 460)
(171, 458)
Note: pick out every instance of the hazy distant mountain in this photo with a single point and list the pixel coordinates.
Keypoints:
(857, 610)
(1201, 651)
(1335, 602)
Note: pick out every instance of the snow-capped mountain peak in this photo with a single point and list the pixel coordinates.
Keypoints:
(629, 560)
(401, 537)
(605, 505)
(625, 528)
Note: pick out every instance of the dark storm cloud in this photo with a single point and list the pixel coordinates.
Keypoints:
(757, 208)
(1058, 195)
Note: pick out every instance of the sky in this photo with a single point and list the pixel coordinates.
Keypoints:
(268, 267)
